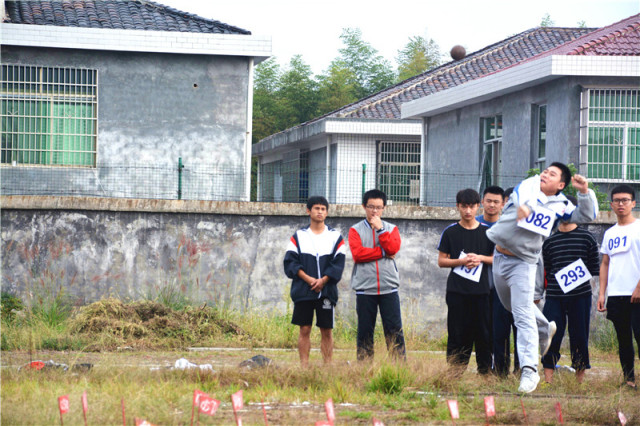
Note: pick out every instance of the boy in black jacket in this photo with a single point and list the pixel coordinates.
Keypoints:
(314, 261)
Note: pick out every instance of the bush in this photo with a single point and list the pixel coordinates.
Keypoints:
(10, 305)
(390, 380)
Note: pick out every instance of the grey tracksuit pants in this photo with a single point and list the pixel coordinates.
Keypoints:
(515, 282)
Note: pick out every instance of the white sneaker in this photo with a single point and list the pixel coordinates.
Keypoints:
(528, 380)
(545, 345)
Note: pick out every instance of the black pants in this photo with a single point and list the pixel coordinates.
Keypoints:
(367, 310)
(502, 326)
(574, 311)
(468, 322)
(625, 317)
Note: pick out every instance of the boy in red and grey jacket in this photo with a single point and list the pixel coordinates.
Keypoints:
(375, 279)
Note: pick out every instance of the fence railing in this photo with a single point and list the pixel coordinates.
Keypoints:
(222, 183)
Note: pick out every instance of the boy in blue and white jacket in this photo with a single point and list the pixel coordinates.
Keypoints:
(532, 212)
(314, 261)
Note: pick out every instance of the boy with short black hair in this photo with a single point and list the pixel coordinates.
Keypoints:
(620, 278)
(572, 255)
(532, 212)
(314, 261)
(465, 248)
(374, 244)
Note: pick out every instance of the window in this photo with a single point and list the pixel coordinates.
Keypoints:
(492, 150)
(541, 137)
(398, 173)
(610, 134)
(49, 115)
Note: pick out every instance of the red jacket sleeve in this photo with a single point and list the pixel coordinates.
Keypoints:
(390, 241)
(362, 254)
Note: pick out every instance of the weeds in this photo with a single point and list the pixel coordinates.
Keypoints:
(390, 379)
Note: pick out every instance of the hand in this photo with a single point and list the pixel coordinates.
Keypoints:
(523, 212)
(376, 223)
(580, 183)
(601, 306)
(635, 296)
(391, 256)
(317, 285)
(536, 301)
(472, 260)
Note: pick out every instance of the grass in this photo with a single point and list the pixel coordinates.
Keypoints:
(412, 392)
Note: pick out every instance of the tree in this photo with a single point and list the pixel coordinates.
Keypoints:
(547, 21)
(418, 56)
(337, 87)
(582, 24)
(265, 105)
(371, 71)
(297, 94)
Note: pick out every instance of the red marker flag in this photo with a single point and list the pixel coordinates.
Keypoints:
(524, 413)
(124, 418)
(559, 413)
(622, 417)
(489, 406)
(142, 422)
(208, 405)
(324, 423)
(331, 412)
(85, 406)
(63, 404)
(453, 408)
(195, 403)
(236, 402)
(377, 422)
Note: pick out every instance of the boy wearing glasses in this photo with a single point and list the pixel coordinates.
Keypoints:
(314, 261)
(532, 212)
(375, 279)
(620, 277)
(465, 248)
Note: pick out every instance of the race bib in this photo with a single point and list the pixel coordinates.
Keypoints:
(617, 243)
(472, 274)
(571, 276)
(539, 221)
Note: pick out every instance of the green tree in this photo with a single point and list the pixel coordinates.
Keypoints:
(582, 24)
(297, 95)
(266, 83)
(418, 56)
(372, 72)
(547, 21)
(337, 87)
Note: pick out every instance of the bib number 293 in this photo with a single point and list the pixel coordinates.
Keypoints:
(571, 276)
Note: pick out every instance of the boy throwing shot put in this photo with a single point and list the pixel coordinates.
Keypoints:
(314, 261)
(532, 212)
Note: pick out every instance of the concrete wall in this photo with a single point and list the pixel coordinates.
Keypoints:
(152, 109)
(224, 253)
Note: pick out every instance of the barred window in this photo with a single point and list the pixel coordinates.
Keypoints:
(398, 172)
(492, 150)
(49, 115)
(610, 134)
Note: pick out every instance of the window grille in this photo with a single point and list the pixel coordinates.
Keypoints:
(541, 137)
(610, 134)
(398, 171)
(49, 115)
(492, 151)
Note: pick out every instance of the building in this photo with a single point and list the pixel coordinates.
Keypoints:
(455, 126)
(577, 103)
(114, 98)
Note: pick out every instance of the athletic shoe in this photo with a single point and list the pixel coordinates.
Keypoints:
(545, 345)
(529, 380)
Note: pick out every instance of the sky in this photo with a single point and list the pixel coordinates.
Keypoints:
(312, 28)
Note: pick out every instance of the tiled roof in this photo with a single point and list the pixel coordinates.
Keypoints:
(113, 14)
(619, 39)
(386, 104)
